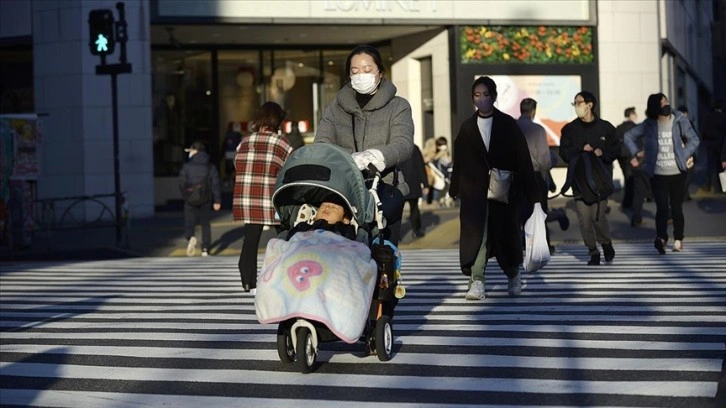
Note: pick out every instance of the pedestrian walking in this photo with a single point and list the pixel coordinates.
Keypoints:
(375, 125)
(488, 150)
(539, 153)
(201, 190)
(295, 137)
(714, 137)
(691, 161)
(414, 171)
(259, 159)
(631, 119)
(664, 160)
(590, 133)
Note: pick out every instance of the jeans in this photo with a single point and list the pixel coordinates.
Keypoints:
(668, 195)
(198, 215)
(482, 257)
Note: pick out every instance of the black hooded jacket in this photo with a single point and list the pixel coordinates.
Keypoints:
(197, 170)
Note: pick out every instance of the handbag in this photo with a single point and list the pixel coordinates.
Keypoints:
(392, 199)
(536, 250)
(500, 181)
(439, 181)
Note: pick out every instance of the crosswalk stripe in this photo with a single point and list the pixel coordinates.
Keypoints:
(647, 330)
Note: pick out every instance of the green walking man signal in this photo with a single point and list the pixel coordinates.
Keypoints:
(102, 32)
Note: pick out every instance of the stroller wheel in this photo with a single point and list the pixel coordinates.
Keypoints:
(285, 348)
(306, 353)
(384, 338)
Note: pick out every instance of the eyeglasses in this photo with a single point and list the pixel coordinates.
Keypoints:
(577, 103)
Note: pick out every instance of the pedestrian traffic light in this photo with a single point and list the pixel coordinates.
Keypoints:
(102, 32)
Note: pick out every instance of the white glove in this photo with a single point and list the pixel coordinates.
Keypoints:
(360, 160)
(370, 156)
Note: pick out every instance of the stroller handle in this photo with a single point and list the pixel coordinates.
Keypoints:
(374, 192)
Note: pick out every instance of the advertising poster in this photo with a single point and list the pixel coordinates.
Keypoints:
(554, 95)
(20, 140)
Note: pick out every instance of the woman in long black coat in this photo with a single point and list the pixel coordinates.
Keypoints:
(490, 139)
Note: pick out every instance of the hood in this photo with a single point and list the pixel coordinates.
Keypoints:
(200, 158)
(346, 98)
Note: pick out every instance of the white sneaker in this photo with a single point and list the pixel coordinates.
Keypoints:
(191, 246)
(253, 291)
(205, 252)
(515, 285)
(476, 291)
(677, 245)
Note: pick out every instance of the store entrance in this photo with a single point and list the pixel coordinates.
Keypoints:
(212, 95)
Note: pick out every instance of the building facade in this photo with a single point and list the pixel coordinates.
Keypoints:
(200, 69)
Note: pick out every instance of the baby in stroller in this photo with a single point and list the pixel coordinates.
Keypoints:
(332, 215)
(325, 278)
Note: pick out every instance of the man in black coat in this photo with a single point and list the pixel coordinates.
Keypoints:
(490, 139)
(589, 133)
(631, 119)
(414, 172)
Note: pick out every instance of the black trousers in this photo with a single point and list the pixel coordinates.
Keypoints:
(194, 215)
(668, 195)
(414, 215)
(641, 189)
(629, 187)
(248, 256)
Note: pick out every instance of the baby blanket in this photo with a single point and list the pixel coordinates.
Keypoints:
(317, 275)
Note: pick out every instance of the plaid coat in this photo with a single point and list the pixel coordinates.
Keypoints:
(259, 158)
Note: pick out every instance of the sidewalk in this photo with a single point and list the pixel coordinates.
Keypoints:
(163, 235)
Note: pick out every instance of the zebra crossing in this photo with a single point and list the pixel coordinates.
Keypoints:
(648, 330)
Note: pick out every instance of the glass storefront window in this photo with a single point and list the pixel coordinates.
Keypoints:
(302, 81)
(182, 103)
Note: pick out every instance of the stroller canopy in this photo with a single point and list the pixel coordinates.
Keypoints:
(314, 171)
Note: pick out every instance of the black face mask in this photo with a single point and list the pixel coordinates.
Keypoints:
(665, 110)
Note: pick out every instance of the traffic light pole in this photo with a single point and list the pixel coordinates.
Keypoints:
(114, 70)
(116, 163)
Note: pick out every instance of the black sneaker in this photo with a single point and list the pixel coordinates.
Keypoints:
(594, 259)
(659, 244)
(564, 221)
(609, 252)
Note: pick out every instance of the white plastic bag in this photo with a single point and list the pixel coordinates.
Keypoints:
(722, 179)
(536, 251)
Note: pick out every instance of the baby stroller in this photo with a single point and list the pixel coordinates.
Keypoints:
(318, 286)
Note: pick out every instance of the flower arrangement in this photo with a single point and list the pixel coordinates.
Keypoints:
(526, 45)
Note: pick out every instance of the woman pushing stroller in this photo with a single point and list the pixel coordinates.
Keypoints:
(369, 121)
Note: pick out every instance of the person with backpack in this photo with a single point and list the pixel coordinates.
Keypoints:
(668, 140)
(588, 145)
(199, 185)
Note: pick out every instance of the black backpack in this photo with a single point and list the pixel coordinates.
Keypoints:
(199, 194)
(592, 180)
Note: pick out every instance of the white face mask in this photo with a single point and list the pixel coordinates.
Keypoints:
(364, 83)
